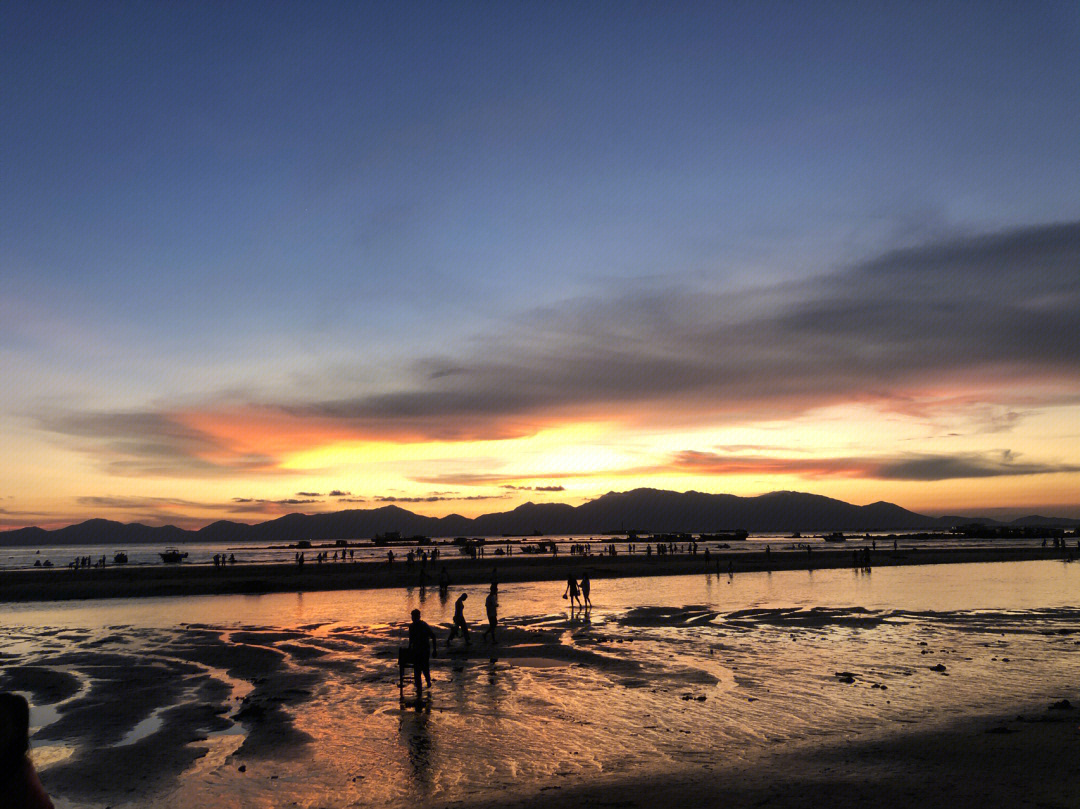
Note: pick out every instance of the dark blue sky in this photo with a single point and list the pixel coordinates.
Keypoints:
(422, 154)
(281, 201)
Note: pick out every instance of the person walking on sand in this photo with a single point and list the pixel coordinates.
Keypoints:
(460, 625)
(491, 604)
(419, 635)
(571, 591)
(585, 587)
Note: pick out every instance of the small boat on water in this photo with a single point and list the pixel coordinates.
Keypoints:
(835, 536)
(172, 556)
(119, 558)
(721, 536)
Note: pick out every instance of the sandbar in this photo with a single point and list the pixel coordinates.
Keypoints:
(58, 584)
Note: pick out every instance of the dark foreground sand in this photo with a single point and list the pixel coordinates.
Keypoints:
(1020, 759)
(166, 580)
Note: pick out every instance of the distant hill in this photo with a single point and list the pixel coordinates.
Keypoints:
(642, 510)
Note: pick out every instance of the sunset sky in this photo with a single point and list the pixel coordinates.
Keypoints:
(271, 257)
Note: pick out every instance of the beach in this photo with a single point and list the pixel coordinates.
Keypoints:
(1023, 758)
(117, 581)
(893, 686)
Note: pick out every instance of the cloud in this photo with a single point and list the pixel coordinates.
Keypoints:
(308, 494)
(908, 466)
(967, 316)
(147, 443)
(492, 479)
(338, 493)
(551, 488)
(287, 501)
(437, 498)
(949, 325)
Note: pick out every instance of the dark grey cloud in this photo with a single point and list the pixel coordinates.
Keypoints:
(148, 443)
(168, 510)
(551, 488)
(137, 502)
(308, 494)
(966, 465)
(971, 314)
(944, 325)
(907, 466)
(338, 493)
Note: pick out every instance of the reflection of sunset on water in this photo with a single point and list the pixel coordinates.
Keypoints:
(665, 675)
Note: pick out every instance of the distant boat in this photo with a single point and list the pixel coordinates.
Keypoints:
(835, 536)
(172, 556)
(119, 558)
(720, 536)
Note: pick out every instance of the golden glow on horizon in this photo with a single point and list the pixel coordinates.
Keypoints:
(63, 483)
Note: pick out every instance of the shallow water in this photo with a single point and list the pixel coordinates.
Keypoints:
(663, 674)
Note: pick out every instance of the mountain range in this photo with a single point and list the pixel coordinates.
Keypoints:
(641, 510)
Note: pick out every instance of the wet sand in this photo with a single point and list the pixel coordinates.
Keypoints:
(1025, 756)
(722, 702)
(1018, 759)
(180, 580)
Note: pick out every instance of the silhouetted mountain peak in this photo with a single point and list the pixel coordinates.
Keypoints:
(643, 509)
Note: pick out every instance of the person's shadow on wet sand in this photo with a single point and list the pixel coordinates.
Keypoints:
(416, 735)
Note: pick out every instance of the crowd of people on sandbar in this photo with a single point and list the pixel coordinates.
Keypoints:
(346, 555)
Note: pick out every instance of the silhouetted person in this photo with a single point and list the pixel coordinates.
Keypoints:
(491, 605)
(444, 580)
(460, 625)
(571, 591)
(21, 787)
(419, 635)
(585, 587)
